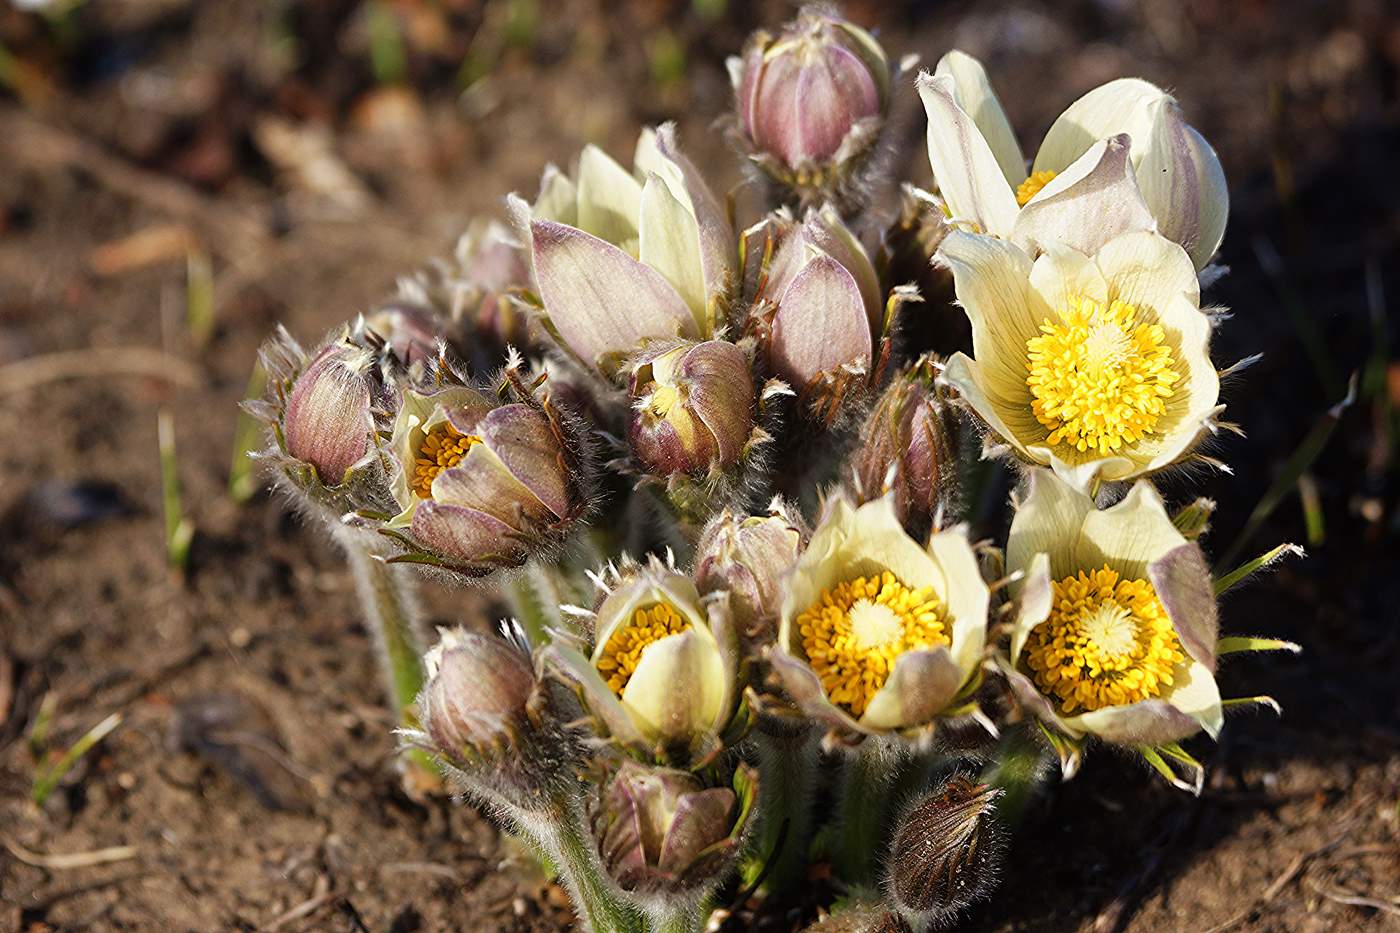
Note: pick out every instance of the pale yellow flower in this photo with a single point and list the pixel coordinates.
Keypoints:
(1095, 365)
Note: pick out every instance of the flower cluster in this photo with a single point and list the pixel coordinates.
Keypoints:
(725, 476)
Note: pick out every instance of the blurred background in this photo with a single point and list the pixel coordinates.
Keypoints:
(189, 735)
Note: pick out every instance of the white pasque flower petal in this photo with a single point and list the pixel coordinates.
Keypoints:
(973, 91)
(969, 177)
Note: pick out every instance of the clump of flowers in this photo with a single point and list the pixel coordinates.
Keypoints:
(728, 489)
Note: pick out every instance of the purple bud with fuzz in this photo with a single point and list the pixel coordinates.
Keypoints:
(327, 421)
(812, 96)
(409, 331)
(908, 448)
(661, 831)
(749, 557)
(477, 693)
(692, 409)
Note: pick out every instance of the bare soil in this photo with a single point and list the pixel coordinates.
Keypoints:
(165, 113)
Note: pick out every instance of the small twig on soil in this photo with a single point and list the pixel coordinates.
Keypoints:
(36, 371)
(1354, 900)
(306, 908)
(71, 860)
(1275, 888)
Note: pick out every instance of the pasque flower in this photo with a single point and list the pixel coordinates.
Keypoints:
(879, 634)
(1093, 364)
(811, 99)
(749, 557)
(829, 313)
(1116, 630)
(619, 258)
(661, 675)
(692, 407)
(480, 484)
(1120, 158)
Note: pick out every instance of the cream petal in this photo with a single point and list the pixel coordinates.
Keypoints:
(1081, 473)
(558, 198)
(802, 684)
(1197, 396)
(992, 280)
(1093, 200)
(816, 570)
(620, 607)
(609, 199)
(1184, 584)
(600, 300)
(670, 244)
(876, 542)
(965, 375)
(1147, 270)
(1215, 199)
(597, 695)
(678, 688)
(1034, 599)
(1128, 536)
(482, 481)
(964, 166)
(1048, 521)
(1120, 106)
(973, 91)
(1061, 274)
(920, 687)
(966, 597)
(717, 241)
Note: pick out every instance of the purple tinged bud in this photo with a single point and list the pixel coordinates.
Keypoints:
(812, 96)
(909, 447)
(477, 694)
(693, 407)
(749, 557)
(945, 852)
(327, 422)
(661, 831)
(494, 264)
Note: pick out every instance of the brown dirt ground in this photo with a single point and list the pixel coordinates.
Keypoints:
(154, 124)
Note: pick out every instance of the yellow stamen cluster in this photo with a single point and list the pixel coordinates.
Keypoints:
(855, 632)
(623, 652)
(1032, 185)
(1107, 642)
(1100, 377)
(443, 447)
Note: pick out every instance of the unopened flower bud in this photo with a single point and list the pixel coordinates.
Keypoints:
(693, 407)
(663, 832)
(909, 448)
(493, 265)
(811, 99)
(945, 852)
(327, 421)
(750, 557)
(484, 715)
(481, 485)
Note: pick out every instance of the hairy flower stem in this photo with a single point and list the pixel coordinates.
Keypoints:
(1017, 767)
(864, 804)
(570, 845)
(388, 601)
(534, 601)
(788, 764)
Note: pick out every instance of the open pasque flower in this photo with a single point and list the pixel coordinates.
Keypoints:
(1093, 364)
(1120, 158)
(479, 484)
(1117, 629)
(877, 633)
(661, 678)
(619, 258)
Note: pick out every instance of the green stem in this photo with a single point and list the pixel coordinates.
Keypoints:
(788, 766)
(390, 609)
(534, 601)
(1017, 768)
(863, 806)
(598, 902)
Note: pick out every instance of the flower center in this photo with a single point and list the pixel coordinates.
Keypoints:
(623, 652)
(663, 399)
(443, 447)
(1100, 377)
(1032, 185)
(1107, 642)
(854, 633)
